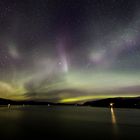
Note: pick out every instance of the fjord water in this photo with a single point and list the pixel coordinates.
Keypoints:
(69, 122)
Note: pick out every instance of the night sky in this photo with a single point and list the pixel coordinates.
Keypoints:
(69, 50)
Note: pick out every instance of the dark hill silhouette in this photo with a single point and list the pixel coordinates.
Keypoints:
(27, 102)
(120, 102)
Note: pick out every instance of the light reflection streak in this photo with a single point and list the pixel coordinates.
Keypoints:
(114, 123)
(113, 117)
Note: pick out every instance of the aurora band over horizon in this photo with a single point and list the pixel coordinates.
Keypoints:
(71, 51)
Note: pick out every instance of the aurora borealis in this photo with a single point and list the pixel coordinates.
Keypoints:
(69, 50)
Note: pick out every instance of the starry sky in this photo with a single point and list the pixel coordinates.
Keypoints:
(69, 50)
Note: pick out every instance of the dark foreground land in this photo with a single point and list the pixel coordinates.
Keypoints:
(68, 122)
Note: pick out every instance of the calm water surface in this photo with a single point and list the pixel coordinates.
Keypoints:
(69, 122)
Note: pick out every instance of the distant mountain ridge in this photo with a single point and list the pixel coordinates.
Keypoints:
(27, 102)
(118, 102)
(30, 102)
(5, 101)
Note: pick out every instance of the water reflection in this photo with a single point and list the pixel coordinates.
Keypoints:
(114, 122)
(113, 117)
(11, 119)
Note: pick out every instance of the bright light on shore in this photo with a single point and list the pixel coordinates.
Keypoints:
(111, 104)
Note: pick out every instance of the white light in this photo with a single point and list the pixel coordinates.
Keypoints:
(111, 104)
(8, 105)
